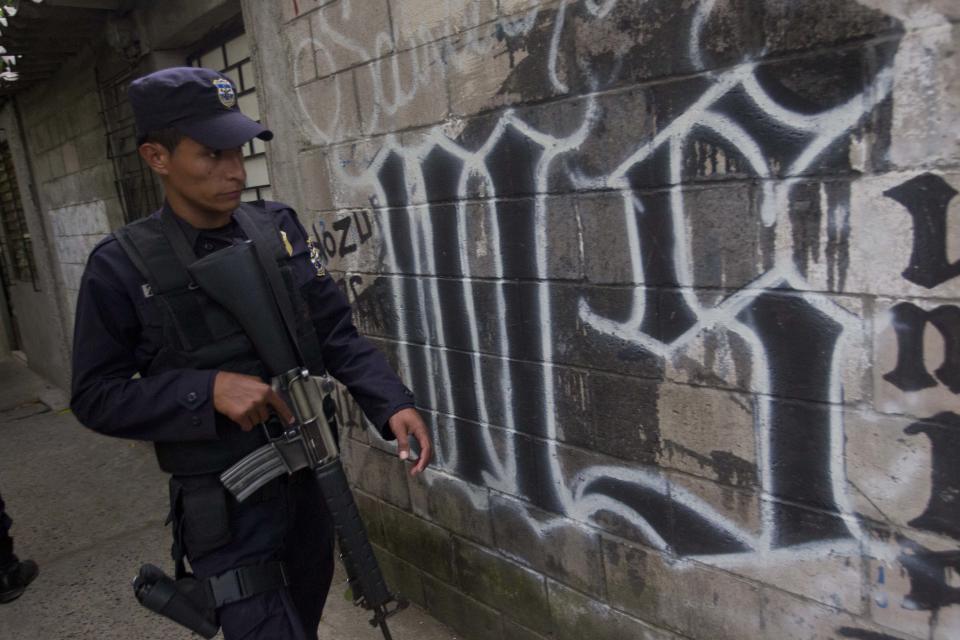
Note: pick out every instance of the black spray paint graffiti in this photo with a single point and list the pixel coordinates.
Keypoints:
(942, 514)
(479, 340)
(910, 322)
(934, 576)
(348, 235)
(927, 198)
(482, 331)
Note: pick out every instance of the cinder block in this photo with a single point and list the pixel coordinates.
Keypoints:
(791, 618)
(708, 432)
(350, 161)
(717, 357)
(71, 249)
(726, 246)
(348, 34)
(831, 574)
(91, 218)
(889, 586)
(803, 338)
(474, 620)
(519, 226)
(351, 241)
(580, 332)
(624, 415)
(882, 225)
(299, 44)
(417, 22)
(605, 219)
(417, 541)
(55, 162)
(71, 160)
(91, 149)
(909, 347)
(404, 90)
(925, 88)
(888, 469)
(836, 23)
(93, 183)
(696, 600)
(53, 193)
(577, 616)
(329, 109)
(86, 115)
(559, 548)
(481, 63)
(379, 473)
(724, 513)
(517, 592)
(313, 175)
(402, 578)
(453, 504)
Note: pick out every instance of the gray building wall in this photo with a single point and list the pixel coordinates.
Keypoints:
(674, 282)
(78, 203)
(66, 158)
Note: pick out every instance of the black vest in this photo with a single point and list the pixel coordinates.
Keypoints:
(200, 334)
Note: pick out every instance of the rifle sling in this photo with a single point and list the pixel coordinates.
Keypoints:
(274, 278)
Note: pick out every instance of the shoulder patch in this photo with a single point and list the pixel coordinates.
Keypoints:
(315, 257)
(225, 92)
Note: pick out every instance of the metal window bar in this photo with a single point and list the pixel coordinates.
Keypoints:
(240, 70)
(18, 260)
(137, 188)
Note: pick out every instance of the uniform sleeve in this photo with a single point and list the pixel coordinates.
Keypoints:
(175, 405)
(347, 355)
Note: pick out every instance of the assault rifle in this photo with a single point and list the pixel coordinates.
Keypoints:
(244, 282)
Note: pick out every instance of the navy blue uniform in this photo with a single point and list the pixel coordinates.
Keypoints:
(118, 332)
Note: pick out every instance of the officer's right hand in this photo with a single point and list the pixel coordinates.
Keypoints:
(247, 400)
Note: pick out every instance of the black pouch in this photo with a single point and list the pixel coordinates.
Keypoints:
(200, 514)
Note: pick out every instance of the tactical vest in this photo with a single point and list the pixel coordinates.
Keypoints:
(200, 334)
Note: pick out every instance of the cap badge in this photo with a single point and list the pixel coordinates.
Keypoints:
(228, 97)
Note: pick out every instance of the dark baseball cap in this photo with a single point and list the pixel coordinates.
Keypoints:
(200, 103)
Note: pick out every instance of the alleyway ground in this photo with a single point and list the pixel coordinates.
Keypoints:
(90, 510)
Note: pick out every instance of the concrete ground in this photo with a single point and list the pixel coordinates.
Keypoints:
(89, 509)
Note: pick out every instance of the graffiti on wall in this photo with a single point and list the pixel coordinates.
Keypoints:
(497, 334)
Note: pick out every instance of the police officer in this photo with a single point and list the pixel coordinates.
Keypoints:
(201, 394)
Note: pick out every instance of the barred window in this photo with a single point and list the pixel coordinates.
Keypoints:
(231, 57)
(17, 246)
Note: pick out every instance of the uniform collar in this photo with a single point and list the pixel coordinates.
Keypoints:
(192, 233)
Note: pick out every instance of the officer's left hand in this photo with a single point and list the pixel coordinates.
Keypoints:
(405, 423)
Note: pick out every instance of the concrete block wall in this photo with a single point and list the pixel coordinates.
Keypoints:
(65, 156)
(677, 285)
(74, 175)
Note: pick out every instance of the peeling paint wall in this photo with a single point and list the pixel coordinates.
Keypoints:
(677, 284)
